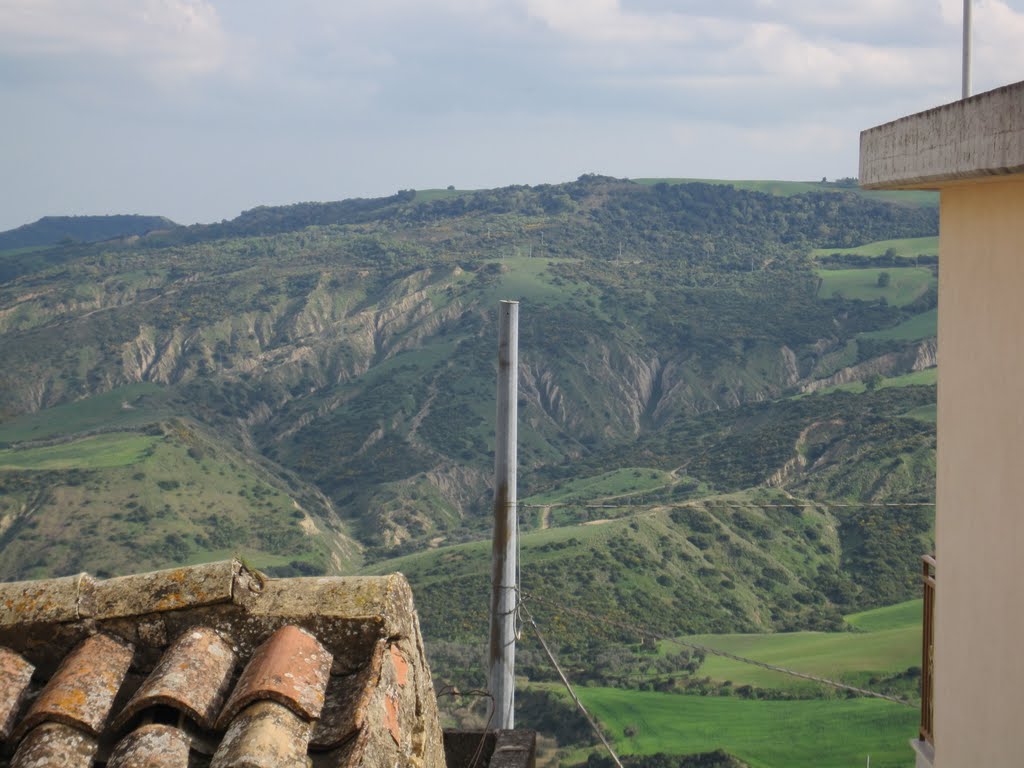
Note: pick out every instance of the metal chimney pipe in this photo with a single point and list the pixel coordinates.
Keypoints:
(502, 654)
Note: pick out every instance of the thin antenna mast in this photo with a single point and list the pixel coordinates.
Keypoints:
(504, 590)
(966, 92)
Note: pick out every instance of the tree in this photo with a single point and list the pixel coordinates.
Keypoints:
(884, 278)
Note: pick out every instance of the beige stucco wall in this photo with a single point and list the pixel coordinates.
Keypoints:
(979, 654)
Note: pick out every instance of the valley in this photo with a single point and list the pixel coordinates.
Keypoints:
(727, 403)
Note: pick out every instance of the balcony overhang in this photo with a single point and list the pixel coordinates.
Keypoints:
(977, 138)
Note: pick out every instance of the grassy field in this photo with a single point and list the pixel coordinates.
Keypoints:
(906, 284)
(115, 449)
(837, 733)
(628, 480)
(923, 413)
(426, 195)
(786, 188)
(922, 326)
(907, 247)
(527, 278)
(899, 616)
(128, 406)
(926, 378)
(889, 642)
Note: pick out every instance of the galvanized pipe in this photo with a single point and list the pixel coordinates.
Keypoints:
(968, 36)
(502, 654)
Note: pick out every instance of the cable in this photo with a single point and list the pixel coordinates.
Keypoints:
(725, 654)
(721, 505)
(568, 687)
(451, 691)
(518, 621)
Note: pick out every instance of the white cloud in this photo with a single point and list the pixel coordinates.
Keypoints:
(606, 21)
(162, 38)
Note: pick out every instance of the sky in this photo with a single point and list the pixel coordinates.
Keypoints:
(200, 109)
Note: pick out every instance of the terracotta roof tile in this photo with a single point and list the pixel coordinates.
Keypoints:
(15, 676)
(264, 735)
(55, 744)
(291, 668)
(161, 651)
(82, 691)
(152, 746)
(192, 677)
(347, 700)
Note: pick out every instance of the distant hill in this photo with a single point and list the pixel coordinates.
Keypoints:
(726, 419)
(54, 230)
(922, 198)
(349, 347)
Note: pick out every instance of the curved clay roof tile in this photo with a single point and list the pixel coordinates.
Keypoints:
(152, 746)
(291, 668)
(15, 676)
(192, 677)
(82, 690)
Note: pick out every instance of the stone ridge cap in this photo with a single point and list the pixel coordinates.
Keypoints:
(68, 599)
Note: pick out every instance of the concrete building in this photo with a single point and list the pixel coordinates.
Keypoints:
(972, 151)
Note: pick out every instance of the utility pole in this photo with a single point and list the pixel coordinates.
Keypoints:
(966, 91)
(504, 590)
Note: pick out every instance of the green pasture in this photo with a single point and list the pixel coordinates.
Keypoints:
(906, 284)
(131, 405)
(922, 326)
(906, 247)
(899, 616)
(887, 641)
(926, 378)
(528, 278)
(618, 482)
(426, 195)
(821, 733)
(115, 449)
(849, 656)
(923, 413)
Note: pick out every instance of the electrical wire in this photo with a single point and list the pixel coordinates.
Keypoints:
(569, 688)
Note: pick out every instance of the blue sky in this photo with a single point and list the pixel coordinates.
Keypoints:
(199, 109)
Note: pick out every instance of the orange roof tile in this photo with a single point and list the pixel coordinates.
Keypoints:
(134, 672)
(82, 691)
(291, 668)
(192, 677)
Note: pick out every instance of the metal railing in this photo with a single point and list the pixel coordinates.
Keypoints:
(928, 649)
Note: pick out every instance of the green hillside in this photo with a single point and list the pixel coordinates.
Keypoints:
(720, 433)
(168, 495)
(350, 344)
(52, 230)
